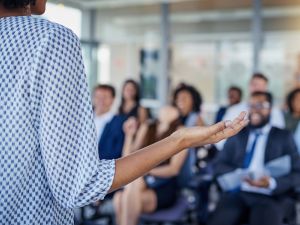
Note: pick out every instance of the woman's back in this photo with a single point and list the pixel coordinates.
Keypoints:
(46, 122)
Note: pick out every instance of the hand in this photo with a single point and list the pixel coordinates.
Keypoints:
(130, 126)
(199, 136)
(263, 182)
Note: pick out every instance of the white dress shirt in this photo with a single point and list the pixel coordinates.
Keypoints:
(257, 165)
(101, 121)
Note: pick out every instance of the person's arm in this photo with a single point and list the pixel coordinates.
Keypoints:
(291, 180)
(200, 121)
(139, 163)
(171, 169)
(134, 135)
(142, 115)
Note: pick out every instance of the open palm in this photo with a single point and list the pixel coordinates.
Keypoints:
(198, 136)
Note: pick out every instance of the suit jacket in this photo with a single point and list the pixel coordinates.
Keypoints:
(279, 143)
(112, 139)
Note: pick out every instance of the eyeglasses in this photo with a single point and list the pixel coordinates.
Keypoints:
(260, 106)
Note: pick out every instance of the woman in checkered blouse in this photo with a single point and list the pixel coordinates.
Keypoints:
(48, 148)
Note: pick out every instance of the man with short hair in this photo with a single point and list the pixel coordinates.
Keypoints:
(103, 99)
(258, 82)
(258, 192)
(234, 95)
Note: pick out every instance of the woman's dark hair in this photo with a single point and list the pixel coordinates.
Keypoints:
(151, 136)
(136, 97)
(197, 98)
(290, 98)
(15, 4)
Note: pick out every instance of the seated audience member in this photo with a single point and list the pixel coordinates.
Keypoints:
(188, 101)
(112, 139)
(258, 82)
(234, 96)
(103, 99)
(130, 102)
(158, 189)
(292, 116)
(108, 126)
(253, 188)
(297, 137)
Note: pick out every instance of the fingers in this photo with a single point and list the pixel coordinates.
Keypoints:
(241, 117)
(232, 128)
(262, 182)
(216, 128)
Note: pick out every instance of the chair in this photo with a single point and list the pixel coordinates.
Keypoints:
(177, 214)
(188, 208)
(93, 213)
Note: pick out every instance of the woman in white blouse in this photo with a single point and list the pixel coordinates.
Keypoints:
(48, 150)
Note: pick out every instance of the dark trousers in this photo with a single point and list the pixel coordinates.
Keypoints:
(255, 209)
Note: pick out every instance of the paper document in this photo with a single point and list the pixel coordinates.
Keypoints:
(275, 168)
(279, 167)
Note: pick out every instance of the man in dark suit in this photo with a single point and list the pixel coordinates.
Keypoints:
(257, 195)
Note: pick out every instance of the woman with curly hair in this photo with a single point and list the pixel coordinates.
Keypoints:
(48, 151)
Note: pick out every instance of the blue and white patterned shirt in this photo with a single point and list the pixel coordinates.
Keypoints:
(48, 149)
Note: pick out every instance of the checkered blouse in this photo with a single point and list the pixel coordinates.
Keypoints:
(48, 151)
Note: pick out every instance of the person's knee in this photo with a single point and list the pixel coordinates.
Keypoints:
(117, 201)
(149, 201)
(135, 187)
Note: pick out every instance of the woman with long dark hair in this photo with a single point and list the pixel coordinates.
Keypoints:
(49, 162)
(130, 102)
(158, 189)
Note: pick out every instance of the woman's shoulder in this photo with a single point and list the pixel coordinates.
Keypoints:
(48, 28)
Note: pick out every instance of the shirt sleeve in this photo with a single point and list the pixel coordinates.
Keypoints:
(66, 129)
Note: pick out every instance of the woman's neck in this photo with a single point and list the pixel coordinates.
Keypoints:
(129, 105)
(14, 12)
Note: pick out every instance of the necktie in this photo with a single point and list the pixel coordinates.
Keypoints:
(250, 152)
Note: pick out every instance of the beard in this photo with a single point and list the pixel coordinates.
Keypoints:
(264, 120)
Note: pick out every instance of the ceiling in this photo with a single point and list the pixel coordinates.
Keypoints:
(176, 5)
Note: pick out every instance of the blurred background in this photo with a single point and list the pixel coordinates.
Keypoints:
(211, 44)
(208, 46)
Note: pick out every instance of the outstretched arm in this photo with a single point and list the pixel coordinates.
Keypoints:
(137, 164)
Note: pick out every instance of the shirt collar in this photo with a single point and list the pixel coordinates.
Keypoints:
(264, 130)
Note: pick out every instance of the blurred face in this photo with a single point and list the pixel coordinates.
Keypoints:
(258, 84)
(184, 102)
(102, 101)
(260, 110)
(39, 7)
(296, 104)
(129, 91)
(233, 97)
